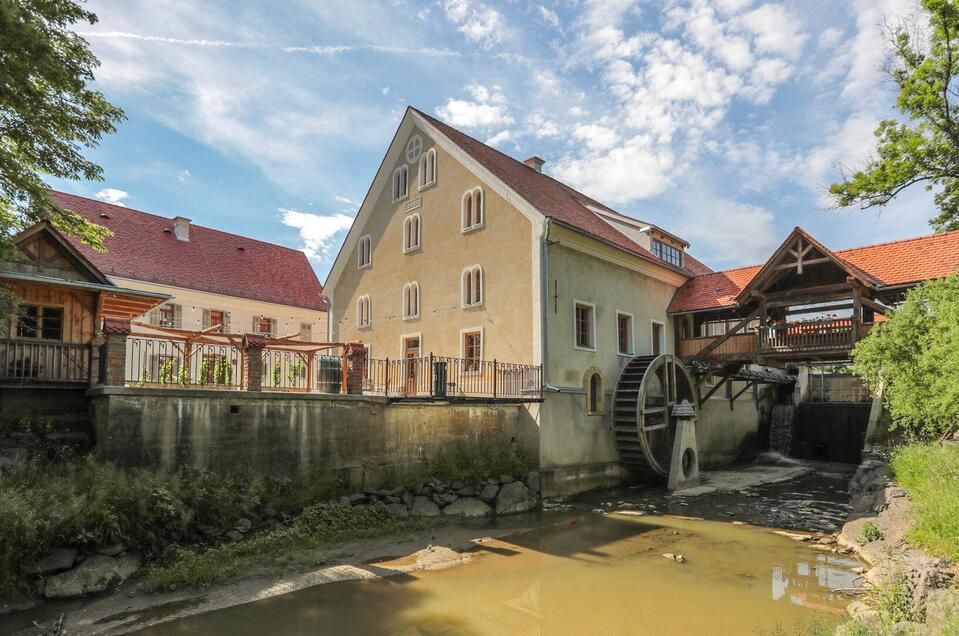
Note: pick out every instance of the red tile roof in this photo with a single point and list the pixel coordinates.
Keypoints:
(888, 264)
(145, 249)
(553, 198)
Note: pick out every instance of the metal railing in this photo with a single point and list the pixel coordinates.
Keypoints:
(154, 362)
(44, 361)
(301, 371)
(442, 377)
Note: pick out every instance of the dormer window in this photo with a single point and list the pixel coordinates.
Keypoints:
(667, 253)
(411, 233)
(428, 168)
(364, 251)
(473, 209)
(401, 183)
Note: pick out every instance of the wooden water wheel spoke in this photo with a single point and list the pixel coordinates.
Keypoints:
(647, 390)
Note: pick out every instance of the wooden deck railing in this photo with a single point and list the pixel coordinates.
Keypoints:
(835, 335)
(37, 361)
(744, 344)
(441, 377)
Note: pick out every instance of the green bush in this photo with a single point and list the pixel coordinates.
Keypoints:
(870, 533)
(930, 472)
(490, 456)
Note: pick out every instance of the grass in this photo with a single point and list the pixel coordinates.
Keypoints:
(318, 527)
(930, 473)
(870, 533)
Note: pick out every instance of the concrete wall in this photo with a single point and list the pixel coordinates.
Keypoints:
(357, 438)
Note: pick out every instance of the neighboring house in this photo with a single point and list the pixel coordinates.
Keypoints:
(213, 277)
(460, 250)
(64, 303)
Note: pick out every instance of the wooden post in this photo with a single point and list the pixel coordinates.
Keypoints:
(344, 376)
(309, 371)
(856, 312)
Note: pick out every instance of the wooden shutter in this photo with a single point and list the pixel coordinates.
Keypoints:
(154, 316)
(256, 324)
(178, 316)
(273, 326)
(206, 319)
(226, 322)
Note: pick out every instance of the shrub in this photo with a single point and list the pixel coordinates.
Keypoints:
(490, 456)
(870, 533)
(930, 473)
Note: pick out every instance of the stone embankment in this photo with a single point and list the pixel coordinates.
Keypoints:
(432, 497)
(877, 531)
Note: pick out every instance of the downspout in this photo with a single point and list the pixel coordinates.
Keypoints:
(544, 312)
(329, 317)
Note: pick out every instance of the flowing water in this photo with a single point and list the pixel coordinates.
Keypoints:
(591, 570)
(781, 429)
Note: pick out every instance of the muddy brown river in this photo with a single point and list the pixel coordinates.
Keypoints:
(596, 568)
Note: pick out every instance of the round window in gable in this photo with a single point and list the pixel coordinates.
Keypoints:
(414, 147)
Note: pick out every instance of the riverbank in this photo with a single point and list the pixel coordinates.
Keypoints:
(641, 523)
(910, 589)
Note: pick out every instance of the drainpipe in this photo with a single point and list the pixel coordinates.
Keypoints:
(544, 311)
(329, 317)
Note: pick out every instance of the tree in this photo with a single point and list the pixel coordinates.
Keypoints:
(915, 355)
(924, 65)
(48, 115)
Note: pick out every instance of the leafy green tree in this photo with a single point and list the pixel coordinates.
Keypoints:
(925, 149)
(915, 355)
(48, 116)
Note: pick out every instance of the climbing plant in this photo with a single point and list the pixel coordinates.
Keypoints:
(915, 357)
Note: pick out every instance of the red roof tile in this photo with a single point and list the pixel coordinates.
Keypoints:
(145, 249)
(895, 263)
(552, 198)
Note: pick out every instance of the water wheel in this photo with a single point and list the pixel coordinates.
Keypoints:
(647, 389)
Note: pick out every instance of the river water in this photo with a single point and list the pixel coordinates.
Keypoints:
(596, 567)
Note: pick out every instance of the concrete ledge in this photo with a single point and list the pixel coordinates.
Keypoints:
(133, 391)
(569, 480)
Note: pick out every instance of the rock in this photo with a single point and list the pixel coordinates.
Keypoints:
(93, 576)
(13, 457)
(423, 507)
(243, 525)
(533, 481)
(390, 499)
(457, 485)
(506, 479)
(514, 497)
(357, 498)
(407, 498)
(397, 510)
(445, 499)
(427, 491)
(396, 492)
(466, 491)
(113, 549)
(468, 507)
(941, 605)
(16, 605)
(233, 535)
(58, 560)
(492, 481)
(345, 501)
(488, 494)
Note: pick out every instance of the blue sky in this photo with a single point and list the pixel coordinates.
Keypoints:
(721, 120)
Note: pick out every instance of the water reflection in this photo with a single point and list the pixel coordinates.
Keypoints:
(603, 574)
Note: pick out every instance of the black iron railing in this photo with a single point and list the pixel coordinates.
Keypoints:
(442, 377)
(169, 363)
(301, 371)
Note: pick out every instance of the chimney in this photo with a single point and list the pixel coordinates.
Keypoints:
(536, 163)
(181, 228)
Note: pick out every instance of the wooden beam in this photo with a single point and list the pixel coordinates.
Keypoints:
(723, 379)
(872, 304)
(726, 336)
(833, 307)
(795, 264)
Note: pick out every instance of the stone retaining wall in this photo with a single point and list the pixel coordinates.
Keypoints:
(362, 440)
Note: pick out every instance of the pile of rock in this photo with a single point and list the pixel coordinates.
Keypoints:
(70, 573)
(433, 497)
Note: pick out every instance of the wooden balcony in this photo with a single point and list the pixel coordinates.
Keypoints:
(827, 339)
(44, 362)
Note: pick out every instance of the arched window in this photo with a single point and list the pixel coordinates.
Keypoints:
(364, 314)
(473, 286)
(364, 251)
(401, 182)
(428, 168)
(474, 202)
(594, 392)
(411, 233)
(411, 300)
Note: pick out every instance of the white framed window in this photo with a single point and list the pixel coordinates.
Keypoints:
(401, 183)
(411, 300)
(624, 334)
(474, 209)
(657, 337)
(411, 233)
(472, 286)
(364, 315)
(584, 325)
(471, 349)
(667, 253)
(428, 168)
(364, 251)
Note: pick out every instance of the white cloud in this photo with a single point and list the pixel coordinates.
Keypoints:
(776, 30)
(318, 233)
(487, 109)
(597, 138)
(624, 174)
(830, 37)
(183, 175)
(478, 22)
(499, 138)
(699, 211)
(112, 195)
(549, 17)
